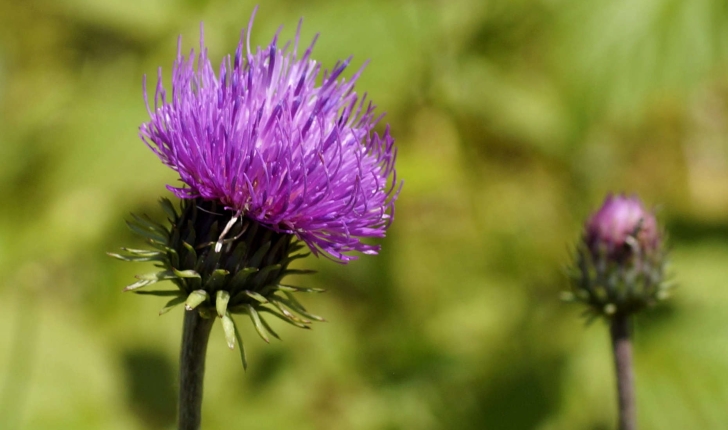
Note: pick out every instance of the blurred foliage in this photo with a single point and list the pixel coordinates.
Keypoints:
(513, 119)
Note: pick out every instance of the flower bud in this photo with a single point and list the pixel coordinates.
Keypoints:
(620, 262)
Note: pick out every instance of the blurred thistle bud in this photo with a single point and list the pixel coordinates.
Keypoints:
(619, 266)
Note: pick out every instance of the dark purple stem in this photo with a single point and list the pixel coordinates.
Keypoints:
(195, 334)
(622, 347)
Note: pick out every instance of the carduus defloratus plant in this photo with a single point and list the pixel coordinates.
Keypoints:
(619, 269)
(275, 156)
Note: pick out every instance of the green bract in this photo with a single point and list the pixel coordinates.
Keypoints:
(221, 265)
(609, 287)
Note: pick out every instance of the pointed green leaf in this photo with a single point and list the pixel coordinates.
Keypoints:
(241, 295)
(255, 296)
(257, 323)
(191, 257)
(294, 289)
(192, 279)
(216, 280)
(292, 302)
(283, 318)
(171, 304)
(258, 256)
(260, 276)
(159, 293)
(268, 327)
(168, 209)
(191, 237)
(228, 326)
(180, 284)
(297, 307)
(141, 252)
(185, 273)
(239, 278)
(237, 257)
(310, 315)
(286, 313)
(162, 246)
(293, 257)
(221, 302)
(141, 231)
(195, 299)
(146, 223)
(282, 241)
(133, 258)
(138, 255)
(210, 261)
(157, 276)
(251, 232)
(295, 246)
(239, 338)
(173, 258)
(138, 284)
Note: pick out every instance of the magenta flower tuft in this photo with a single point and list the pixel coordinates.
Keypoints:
(274, 155)
(267, 142)
(620, 220)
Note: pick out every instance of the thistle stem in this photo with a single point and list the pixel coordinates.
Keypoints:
(195, 334)
(622, 347)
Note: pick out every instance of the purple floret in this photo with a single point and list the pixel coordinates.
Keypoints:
(262, 138)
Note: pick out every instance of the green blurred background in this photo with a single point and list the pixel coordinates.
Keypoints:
(513, 119)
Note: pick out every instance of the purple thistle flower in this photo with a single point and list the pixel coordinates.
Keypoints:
(271, 161)
(268, 143)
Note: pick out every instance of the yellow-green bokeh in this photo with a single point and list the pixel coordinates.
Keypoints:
(513, 118)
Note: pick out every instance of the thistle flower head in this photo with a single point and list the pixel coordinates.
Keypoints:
(264, 139)
(269, 150)
(620, 262)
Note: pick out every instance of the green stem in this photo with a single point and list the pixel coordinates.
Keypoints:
(195, 334)
(622, 348)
